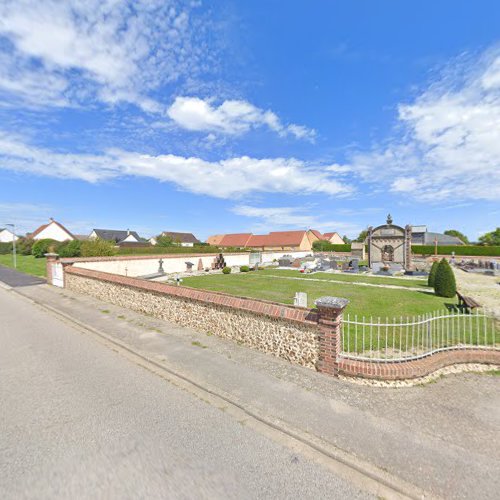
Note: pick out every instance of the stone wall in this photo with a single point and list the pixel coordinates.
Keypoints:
(296, 340)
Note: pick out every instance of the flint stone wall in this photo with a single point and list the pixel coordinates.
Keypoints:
(291, 340)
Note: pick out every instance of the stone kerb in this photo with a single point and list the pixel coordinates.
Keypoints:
(329, 320)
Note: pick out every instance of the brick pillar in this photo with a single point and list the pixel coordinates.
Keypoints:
(329, 320)
(52, 258)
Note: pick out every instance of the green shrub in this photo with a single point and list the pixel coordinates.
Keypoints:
(97, 248)
(432, 275)
(41, 247)
(444, 282)
(25, 245)
(5, 248)
(227, 270)
(472, 250)
(244, 269)
(70, 249)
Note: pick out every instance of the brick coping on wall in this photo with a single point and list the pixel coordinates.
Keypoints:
(257, 306)
(416, 368)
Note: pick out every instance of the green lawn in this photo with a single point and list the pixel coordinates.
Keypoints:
(364, 301)
(26, 264)
(362, 278)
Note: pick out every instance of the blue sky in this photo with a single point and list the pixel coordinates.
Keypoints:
(230, 116)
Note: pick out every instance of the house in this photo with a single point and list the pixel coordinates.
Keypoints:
(238, 240)
(120, 237)
(333, 238)
(7, 236)
(284, 240)
(420, 236)
(182, 239)
(53, 230)
(215, 239)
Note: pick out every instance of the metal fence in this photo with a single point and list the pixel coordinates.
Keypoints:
(405, 338)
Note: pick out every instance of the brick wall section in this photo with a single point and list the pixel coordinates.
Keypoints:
(287, 332)
(303, 336)
(416, 368)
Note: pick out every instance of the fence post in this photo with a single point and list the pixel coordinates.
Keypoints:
(329, 322)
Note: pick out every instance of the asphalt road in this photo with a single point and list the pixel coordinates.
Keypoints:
(78, 420)
(14, 278)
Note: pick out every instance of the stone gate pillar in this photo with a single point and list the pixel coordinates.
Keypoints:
(329, 320)
(52, 259)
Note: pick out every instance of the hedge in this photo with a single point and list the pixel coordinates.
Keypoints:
(5, 248)
(326, 246)
(458, 249)
(471, 250)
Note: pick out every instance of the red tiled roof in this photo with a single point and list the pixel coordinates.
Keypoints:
(44, 226)
(235, 240)
(277, 239)
(317, 234)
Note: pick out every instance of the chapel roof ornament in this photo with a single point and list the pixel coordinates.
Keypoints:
(389, 219)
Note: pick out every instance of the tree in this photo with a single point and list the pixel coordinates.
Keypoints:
(491, 239)
(165, 241)
(346, 239)
(444, 283)
(457, 234)
(432, 275)
(362, 236)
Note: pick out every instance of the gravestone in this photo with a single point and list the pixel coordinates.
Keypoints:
(160, 267)
(300, 299)
(200, 265)
(189, 267)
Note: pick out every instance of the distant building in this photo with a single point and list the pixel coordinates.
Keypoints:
(215, 239)
(301, 240)
(117, 236)
(333, 238)
(238, 240)
(7, 236)
(53, 230)
(420, 236)
(182, 239)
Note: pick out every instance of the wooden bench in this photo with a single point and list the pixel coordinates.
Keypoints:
(467, 302)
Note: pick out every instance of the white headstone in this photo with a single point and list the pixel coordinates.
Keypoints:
(300, 299)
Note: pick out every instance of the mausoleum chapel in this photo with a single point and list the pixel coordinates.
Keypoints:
(389, 245)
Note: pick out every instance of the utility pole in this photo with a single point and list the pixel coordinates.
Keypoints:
(14, 255)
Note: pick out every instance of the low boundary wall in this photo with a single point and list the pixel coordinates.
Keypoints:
(307, 337)
(141, 265)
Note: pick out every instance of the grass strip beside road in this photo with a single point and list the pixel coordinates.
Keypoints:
(26, 264)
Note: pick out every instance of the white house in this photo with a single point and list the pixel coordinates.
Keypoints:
(53, 230)
(6, 235)
(116, 236)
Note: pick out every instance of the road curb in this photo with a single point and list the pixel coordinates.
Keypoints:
(358, 471)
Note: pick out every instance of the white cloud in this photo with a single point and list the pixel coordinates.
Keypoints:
(270, 218)
(223, 179)
(450, 147)
(113, 50)
(232, 117)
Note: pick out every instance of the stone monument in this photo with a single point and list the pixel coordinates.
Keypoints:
(389, 244)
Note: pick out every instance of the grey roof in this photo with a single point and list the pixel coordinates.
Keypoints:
(115, 235)
(428, 238)
(182, 237)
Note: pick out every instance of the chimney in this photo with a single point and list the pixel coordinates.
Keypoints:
(128, 232)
